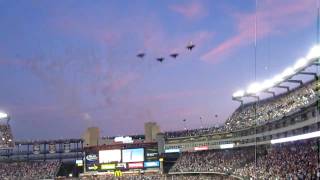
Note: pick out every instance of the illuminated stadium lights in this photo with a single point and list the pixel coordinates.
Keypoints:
(3, 115)
(296, 138)
(277, 79)
(226, 146)
(300, 65)
(287, 72)
(314, 53)
(254, 88)
(239, 93)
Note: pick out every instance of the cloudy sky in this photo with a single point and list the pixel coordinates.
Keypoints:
(67, 65)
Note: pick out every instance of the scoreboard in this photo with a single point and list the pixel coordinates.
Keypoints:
(126, 159)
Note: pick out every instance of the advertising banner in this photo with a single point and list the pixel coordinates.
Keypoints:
(66, 147)
(137, 165)
(36, 149)
(151, 154)
(52, 148)
(151, 164)
(92, 162)
(108, 166)
(121, 166)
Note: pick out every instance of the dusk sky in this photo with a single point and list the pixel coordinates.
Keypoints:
(67, 65)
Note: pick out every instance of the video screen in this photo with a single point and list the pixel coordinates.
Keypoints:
(133, 155)
(107, 156)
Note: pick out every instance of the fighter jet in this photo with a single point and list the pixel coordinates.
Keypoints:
(190, 46)
(160, 59)
(174, 55)
(141, 55)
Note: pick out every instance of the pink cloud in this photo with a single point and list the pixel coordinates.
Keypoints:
(191, 10)
(271, 19)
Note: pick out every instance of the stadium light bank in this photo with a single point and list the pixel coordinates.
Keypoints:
(3, 115)
(312, 58)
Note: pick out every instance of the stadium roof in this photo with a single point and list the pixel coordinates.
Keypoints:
(301, 64)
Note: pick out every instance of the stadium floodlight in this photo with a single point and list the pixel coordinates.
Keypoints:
(277, 79)
(298, 67)
(226, 146)
(267, 84)
(296, 138)
(238, 94)
(287, 72)
(3, 115)
(314, 53)
(300, 64)
(254, 88)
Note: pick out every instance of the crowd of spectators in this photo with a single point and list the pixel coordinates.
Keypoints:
(6, 138)
(29, 170)
(259, 112)
(285, 161)
(291, 161)
(213, 161)
(271, 109)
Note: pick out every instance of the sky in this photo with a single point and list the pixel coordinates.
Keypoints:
(68, 65)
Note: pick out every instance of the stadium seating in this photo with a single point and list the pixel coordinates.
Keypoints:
(6, 138)
(259, 112)
(29, 170)
(296, 160)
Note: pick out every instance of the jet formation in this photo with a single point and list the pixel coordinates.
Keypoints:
(174, 55)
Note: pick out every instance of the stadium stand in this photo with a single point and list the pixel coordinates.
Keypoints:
(29, 170)
(296, 160)
(263, 111)
(6, 138)
(272, 109)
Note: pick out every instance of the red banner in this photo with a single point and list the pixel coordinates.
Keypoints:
(201, 148)
(135, 165)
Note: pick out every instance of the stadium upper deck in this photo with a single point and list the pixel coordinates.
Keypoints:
(270, 109)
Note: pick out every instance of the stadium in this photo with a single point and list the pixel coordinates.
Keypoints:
(276, 137)
(273, 133)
